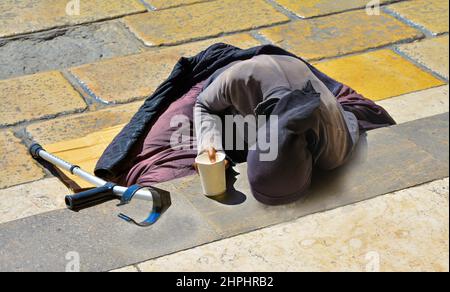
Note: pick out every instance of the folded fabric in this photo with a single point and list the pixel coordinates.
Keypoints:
(158, 161)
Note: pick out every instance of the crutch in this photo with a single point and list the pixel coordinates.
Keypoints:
(106, 191)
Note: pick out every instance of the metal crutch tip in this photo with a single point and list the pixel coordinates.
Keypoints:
(34, 149)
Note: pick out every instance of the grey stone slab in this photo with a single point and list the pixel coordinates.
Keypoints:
(385, 161)
(63, 48)
(243, 213)
(103, 242)
(388, 160)
(432, 134)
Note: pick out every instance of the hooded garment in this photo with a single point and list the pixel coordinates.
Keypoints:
(120, 155)
(312, 129)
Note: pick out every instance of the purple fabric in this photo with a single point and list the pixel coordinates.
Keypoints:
(158, 161)
(365, 110)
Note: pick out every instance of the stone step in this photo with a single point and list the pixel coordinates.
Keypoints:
(400, 157)
(404, 231)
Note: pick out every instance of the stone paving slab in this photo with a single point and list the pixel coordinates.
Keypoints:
(82, 139)
(165, 4)
(314, 8)
(102, 241)
(417, 105)
(406, 231)
(84, 151)
(78, 126)
(31, 199)
(37, 96)
(16, 165)
(136, 77)
(431, 134)
(59, 49)
(431, 53)
(105, 243)
(381, 74)
(173, 26)
(339, 34)
(27, 16)
(431, 15)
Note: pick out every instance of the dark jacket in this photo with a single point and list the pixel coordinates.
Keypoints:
(118, 157)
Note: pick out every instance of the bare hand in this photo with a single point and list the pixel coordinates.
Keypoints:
(212, 154)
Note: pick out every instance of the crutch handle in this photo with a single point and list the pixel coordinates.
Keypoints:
(92, 197)
(106, 191)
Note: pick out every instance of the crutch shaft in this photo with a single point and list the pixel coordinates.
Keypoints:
(77, 171)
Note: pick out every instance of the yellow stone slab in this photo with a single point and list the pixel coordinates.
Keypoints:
(432, 53)
(80, 125)
(339, 34)
(37, 96)
(313, 8)
(26, 16)
(16, 165)
(81, 139)
(84, 151)
(202, 20)
(136, 77)
(430, 14)
(164, 4)
(379, 75)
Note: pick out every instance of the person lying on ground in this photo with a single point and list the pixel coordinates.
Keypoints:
(312, 128)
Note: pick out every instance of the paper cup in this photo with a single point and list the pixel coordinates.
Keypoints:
(212, 175)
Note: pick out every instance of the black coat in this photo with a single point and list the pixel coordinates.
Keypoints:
(118, 157)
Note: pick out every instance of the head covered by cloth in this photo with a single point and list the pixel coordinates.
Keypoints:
(285, 179)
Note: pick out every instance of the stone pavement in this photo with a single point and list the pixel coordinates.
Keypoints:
(401, 157)
(396, 232)
(72, 80)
